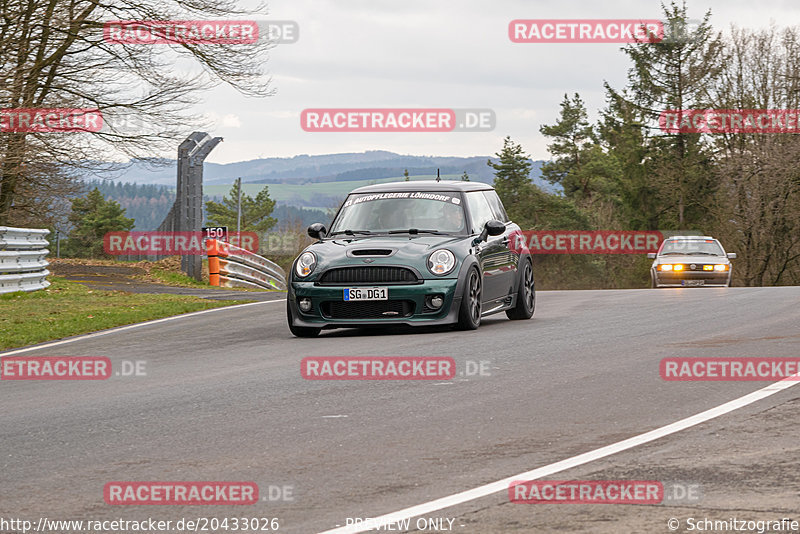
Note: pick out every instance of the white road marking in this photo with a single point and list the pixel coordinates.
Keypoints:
(131, 326)
(575, 461)
(333, 416)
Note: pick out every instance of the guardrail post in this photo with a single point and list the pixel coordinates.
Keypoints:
(232, 266)
(23, 266)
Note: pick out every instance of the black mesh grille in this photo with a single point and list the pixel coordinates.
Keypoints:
(692, 275)
(372, 252)
(368, 275)
(377, 309)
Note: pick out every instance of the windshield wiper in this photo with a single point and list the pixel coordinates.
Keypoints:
(672, 253)
(415, 231)
(698, 252)
(351, 232)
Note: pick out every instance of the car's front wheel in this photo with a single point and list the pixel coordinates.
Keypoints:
(526, 296)
(299, 331)
(469, 315)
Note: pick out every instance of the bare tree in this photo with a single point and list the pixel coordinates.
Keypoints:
(758, 203)
(53, 54)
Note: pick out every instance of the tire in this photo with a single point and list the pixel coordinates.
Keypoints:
(299, 331)
(653, 282)
(469, 314)
(526, 296)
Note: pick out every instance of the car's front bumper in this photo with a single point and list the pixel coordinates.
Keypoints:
(691, 278)
(328, 309)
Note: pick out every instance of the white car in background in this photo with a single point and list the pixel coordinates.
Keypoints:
(684, 261)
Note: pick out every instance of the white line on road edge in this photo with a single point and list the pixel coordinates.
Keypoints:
(131, 326)
(575, 461)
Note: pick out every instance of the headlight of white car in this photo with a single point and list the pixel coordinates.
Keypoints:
(441, 261)
(305, 264)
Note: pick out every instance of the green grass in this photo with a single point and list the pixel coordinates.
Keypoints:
(172, 278)
(68, 309)
(290, 192)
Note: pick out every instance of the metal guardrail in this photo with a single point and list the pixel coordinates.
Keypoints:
(23, 266)
(231, 266)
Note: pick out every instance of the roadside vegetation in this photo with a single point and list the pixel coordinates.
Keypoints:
(624, 172)
(621, 171)
(69, 308)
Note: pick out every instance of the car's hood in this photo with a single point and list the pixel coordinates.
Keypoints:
(403, 249)
(692, 259)
(404, 245)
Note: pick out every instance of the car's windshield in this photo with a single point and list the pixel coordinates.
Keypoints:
(418, 211)
(703, 247)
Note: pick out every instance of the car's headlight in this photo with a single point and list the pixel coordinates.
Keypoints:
(665, 267)
(720, 267)
(441, 261)
(305, 264)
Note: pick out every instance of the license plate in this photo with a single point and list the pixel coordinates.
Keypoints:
(693, 282)
(366, 293)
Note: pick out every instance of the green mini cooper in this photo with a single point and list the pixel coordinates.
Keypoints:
(412, 253)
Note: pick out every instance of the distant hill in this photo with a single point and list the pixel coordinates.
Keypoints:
(305, 169)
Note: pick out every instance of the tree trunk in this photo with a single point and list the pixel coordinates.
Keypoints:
(13, 167)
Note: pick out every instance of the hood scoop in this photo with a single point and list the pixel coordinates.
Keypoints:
(380, 252)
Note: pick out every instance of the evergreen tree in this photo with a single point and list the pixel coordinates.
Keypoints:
(571, 134)
(588, 174)
(255, 211)
(675, 74)
(512, 174)
(92, 217)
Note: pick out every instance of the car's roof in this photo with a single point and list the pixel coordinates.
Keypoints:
(424, 185)
(691, 237)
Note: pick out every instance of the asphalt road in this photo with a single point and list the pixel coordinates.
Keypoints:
(223, 400)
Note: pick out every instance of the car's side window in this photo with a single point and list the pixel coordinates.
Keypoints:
(497, 206)
(480, 212)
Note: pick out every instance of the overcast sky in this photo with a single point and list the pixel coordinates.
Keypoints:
(437, 54)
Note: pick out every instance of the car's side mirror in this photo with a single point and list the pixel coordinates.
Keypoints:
(316, 230)
(731, 255)
(493, 227)
(651, 255)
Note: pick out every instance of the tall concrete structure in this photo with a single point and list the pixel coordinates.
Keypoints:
(186, 215)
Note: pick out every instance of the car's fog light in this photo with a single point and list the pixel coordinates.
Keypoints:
(437, 301)
(305, 304)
